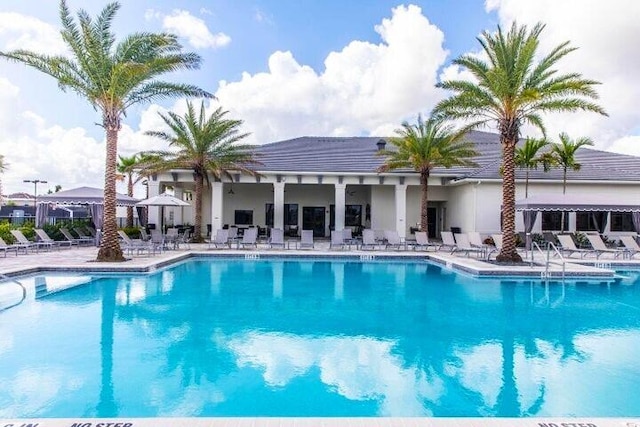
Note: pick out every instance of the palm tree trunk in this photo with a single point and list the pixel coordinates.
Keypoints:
(130, 208)
(508, 252)
(110, 246)
(424, 183)
(564, 181)
(197, 233)
(526, 184)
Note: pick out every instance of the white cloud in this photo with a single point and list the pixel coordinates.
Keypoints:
(19, 31)
(364, 88)
(604, 34)
(192, 28)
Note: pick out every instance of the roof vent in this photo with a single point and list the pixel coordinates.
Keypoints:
(381, 144)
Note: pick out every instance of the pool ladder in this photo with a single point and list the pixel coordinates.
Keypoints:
(545, 275)
(24, 291)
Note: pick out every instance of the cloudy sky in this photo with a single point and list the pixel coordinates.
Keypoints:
(291, 68)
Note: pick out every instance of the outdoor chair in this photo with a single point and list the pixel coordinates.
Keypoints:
(568, 246)
(44, 238)
(8, 248)
(184, 239)
(277, 238)
(448, 242)
(464, 245)
(600, 248)
(337, 239)
(631, 245)
(220, 240)
(130, 245)
(368, 240)
(348, 237)
(393, 240)
(476, 240)
(379, 236)
(249, 238)
(23, 242)
(143, 234)
(497, 244)
(306, 240)
(422, 242)
(83, 236)
(157, 240)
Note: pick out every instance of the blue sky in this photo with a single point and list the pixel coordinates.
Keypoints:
(292, 68)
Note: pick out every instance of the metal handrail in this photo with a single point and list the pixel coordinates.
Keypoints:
(24, 291)
(547, 255)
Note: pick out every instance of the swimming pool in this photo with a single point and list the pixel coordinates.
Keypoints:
(229, 337)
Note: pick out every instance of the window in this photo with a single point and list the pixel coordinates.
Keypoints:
(187, 196)
(243, 217)
(353, 215)
(585, 222)
(290, 214)
(552, 221)
(622, 221)
(268, 214)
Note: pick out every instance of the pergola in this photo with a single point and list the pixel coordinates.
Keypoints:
(90, 196)
(598, 204)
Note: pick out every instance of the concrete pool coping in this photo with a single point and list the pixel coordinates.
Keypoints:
(317, 422)
(81, 260)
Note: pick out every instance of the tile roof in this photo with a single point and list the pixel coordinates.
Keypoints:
(358, 155)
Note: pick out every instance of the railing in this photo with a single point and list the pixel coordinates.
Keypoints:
(547, 255)
(24, 291)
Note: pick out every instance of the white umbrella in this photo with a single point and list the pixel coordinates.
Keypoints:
(162, 200)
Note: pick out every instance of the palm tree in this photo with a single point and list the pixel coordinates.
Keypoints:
(512, 89)
(424, 146)
(126, 167)
(564, 155)
(528, 157)
(112, 77)
(207, 145)
(3, 167)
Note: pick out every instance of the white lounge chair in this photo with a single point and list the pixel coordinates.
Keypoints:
(337, 239)
(393, 240)
(249, 238)
(277, 238)
(130, 245)
(220, 240)
(423, 242)
(10, 248)
(44, 238)
(306, 240)
(448, 242)
(464, 245)
(600, 248)
(497, 244)
(23, 242)
(631, 245)
(569, 247)
(83, 236)
(368, 240)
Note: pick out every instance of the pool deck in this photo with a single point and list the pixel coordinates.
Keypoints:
(83, 259)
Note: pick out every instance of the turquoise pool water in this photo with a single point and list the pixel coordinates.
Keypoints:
(318, 338)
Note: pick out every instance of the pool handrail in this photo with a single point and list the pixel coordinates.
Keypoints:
(24, 291)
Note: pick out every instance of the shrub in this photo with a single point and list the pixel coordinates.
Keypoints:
(133, 232)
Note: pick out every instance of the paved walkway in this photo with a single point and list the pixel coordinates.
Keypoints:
(84, 259)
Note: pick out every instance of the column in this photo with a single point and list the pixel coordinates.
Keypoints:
(153, 212)
(340, 205)
(178, 213)
(217, 207)
(278, 205)
(401, 210)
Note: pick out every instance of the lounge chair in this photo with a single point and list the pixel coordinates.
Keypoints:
(9, 248)
(348, 237)
(631, 245)
(44, 238)
(277, 238)
(23, 242)
(448, 242)
(393, 240)
(306, 240)
(184, 239)
(130, 245)
(220, 240)
(337, 239)
(83, 236)
(600, 248)
(144, 235)
(70, 238)
(568, 246)
(497, 244)
(422, 242)
(464, 245)
(368, 240)
(249, 238)
(476, 240)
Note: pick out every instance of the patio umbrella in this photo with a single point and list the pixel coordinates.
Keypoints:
(162, 200)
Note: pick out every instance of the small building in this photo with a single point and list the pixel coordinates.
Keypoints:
(325, 183)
